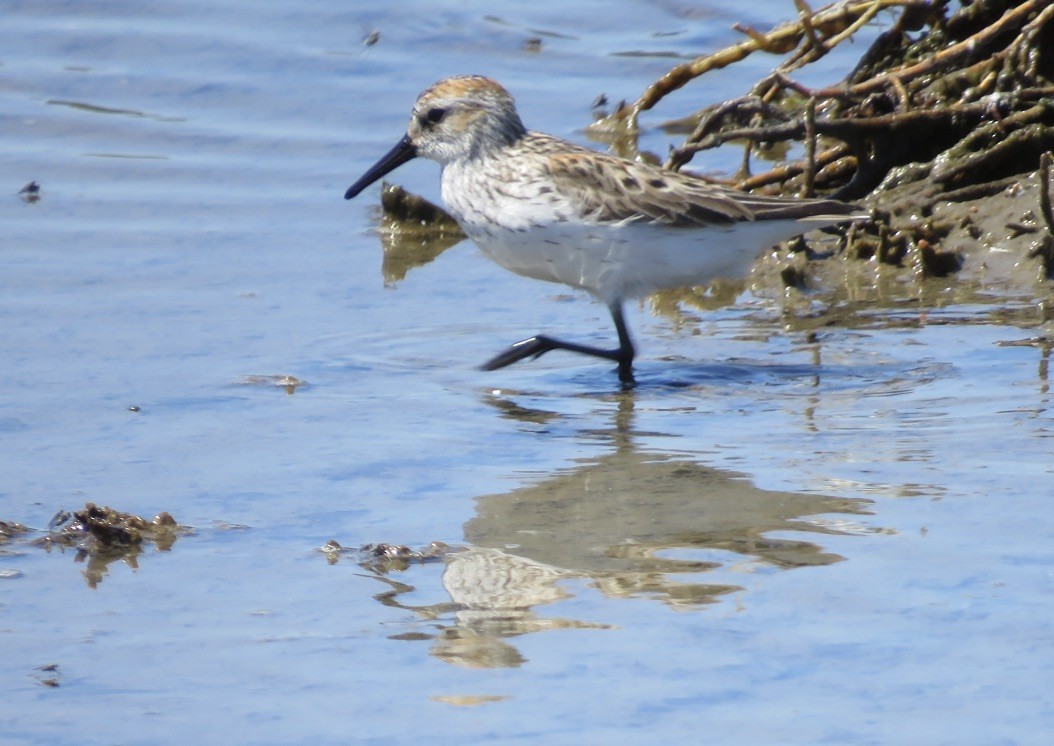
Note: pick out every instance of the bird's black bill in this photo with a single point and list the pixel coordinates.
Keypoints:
(403, 151)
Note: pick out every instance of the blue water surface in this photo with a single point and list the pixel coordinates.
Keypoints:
(770, 540)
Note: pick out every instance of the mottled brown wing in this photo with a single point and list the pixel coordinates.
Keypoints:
(608, 189)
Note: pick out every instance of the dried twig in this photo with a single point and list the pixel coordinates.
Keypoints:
(956, 53)
(831, 22)
(810, 149)
(1044, 192)
(1044, 248)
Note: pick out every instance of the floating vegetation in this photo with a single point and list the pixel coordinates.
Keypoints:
(289, 384)
(385, 558)
(98, 536)
(30, 193)
(98, 109)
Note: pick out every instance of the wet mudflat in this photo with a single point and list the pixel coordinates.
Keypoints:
(817, 518)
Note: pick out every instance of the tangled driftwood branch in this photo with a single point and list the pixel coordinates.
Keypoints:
(820, 31)
(975, 87)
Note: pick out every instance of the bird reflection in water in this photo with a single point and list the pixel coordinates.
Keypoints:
(629, 523)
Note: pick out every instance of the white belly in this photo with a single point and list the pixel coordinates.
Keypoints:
(630, 260)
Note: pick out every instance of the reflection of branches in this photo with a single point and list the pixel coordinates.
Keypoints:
(97, 561)
(391, 599)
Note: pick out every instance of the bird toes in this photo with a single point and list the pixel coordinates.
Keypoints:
(527, 348)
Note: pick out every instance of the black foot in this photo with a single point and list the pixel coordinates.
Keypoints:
(527, 348)
(536, 346)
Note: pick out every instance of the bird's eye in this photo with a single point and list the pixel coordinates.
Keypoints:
(434, 115)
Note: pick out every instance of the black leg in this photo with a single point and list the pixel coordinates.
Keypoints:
(626, 352)
(539, 345)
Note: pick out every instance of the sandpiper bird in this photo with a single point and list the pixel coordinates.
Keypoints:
(549, 209)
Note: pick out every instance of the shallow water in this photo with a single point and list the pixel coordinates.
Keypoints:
(787, 533)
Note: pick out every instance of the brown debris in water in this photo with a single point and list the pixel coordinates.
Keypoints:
(30, 193)
(102, 535)
(289, 384)
(102, 528)
(414, 212)
(413, 231)
(10, 530)
(385, 558)
(48, 675)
